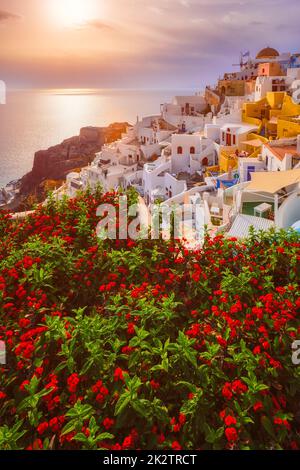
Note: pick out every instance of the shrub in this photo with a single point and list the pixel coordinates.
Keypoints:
(145, 345)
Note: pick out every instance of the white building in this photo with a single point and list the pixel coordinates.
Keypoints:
(118, 162)
(265, 84)
(192, 152)
(283, 154)
(159, 183)
(179, 168)
(247, 166)
(151, 131)
(232, 135)
(186, 113)
(73, 183)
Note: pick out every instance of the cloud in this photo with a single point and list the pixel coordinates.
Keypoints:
(7, 16)
(185, 3)
(257, 23)
(156, 10)
(98, 24)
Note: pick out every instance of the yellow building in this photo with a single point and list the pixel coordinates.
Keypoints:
(276, 115)
(227, 161)
(231, 87)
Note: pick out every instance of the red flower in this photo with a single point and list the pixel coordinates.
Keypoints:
(42, 427)
(131, 328)
(231, 434)
(154, 385)
(37, 445)
(294, 445)
(2, 395)
(101, 396)
(118, 374)
(39, 371)
(239, 387)
(222, 342)
(176, 428)
(116, 447)
(127, 443)
(257, 406)
(176, 445)
(281, 422)
(161, 439)
(108, 423)
(24, 322)
(226, 391)
(230, 420)
(23, 385)
(127, 349)
(56, 423)
(7, 306)
(72, 382)
(96, 388)
(182, 418)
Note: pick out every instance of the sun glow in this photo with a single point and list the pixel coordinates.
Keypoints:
(70, 13)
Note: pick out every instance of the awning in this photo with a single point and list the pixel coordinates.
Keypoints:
(253, 142)
(242, 223)
(272, 181)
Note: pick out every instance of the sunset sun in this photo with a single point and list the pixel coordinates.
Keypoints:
(72, 12)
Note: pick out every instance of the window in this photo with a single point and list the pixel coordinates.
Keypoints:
(179, 150)
(223, 135)
(233, 139)
(192, 150)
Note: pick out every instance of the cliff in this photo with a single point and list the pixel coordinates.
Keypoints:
(73, 153)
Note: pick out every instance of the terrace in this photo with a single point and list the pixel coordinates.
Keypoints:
(273, 196)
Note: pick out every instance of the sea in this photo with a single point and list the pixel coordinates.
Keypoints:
(34, 120)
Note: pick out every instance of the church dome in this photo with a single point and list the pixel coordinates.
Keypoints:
(267, 53)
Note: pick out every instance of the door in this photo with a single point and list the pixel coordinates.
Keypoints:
(250, 169)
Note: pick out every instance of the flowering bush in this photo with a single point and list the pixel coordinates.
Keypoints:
(144, 344)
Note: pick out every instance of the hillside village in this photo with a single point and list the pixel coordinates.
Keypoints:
(233, 152)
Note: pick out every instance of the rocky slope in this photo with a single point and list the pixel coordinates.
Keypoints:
(73, 153)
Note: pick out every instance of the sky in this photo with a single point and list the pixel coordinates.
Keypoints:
(157, 44)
